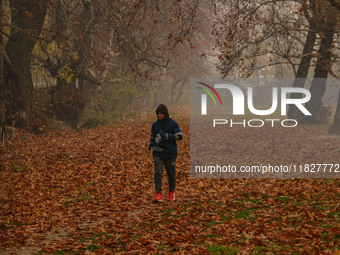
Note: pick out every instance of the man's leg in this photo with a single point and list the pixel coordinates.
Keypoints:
(170, 167)
(158, 172)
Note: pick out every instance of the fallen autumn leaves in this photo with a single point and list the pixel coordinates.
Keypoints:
(91, 192)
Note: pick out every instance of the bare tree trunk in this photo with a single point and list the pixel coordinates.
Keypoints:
(318, 87)
(335, 128)
(173, 89)
(67, 102)
(179, 92)
(303, 68)
(2, 88)
(27, 19)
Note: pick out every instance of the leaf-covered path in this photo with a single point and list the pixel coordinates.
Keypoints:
(91, 192)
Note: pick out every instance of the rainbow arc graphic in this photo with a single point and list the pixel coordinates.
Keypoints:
(209, 93)
(204, 97)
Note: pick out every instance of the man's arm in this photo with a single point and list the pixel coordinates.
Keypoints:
(176, 136)
(152, 139)
(152, 136)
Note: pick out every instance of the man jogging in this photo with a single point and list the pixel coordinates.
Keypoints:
(164, 134)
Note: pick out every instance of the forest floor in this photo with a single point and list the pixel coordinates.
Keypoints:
(91, 192)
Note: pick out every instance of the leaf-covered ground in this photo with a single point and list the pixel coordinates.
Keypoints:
(91, 192)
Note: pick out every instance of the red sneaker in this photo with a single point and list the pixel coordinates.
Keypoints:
(159, 198)
(171, 195)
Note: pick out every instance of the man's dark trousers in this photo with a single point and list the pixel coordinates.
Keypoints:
(170, 167)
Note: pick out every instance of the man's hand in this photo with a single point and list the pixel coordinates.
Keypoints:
(165, 136)
(151, 145)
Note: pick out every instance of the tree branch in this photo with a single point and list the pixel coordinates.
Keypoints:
(335, 3)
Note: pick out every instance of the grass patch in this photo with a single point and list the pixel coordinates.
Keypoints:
(100, 235)
(61, 252)
(283, 248)
(86, 198)
(93, 247)
(299, 203)
(245, 214)
(208, 236)
(195, 204)
(324, 234)
(337, 237)
(283, 199)
(16, 168)
(167, 210)
(219, 249)
(245, 200)
(2, 226)
(135, 237)
(318, 196)
(225, 218)
(163, 247)
(211, 224)
(335, 214)
(214, 203)
(260, 249)
(93, 240)
(16, 224)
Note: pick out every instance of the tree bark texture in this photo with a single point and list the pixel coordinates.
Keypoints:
(335, 128)
(2, 89)
(27, 19)
(323, 65)
(303, 68)
(67, 102)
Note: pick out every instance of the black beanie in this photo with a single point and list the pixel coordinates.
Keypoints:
(162, 109)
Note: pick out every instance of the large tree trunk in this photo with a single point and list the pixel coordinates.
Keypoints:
(302, 72)
(67, 102)
(67, 98)
(27, 19)
(335, 128)
(318, 86)
(2, 89)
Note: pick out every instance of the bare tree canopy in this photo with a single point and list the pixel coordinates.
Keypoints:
(335, 3)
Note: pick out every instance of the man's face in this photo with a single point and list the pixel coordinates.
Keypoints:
(160, 116)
